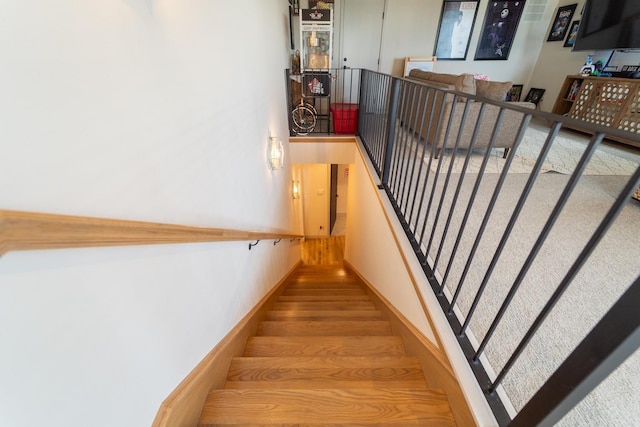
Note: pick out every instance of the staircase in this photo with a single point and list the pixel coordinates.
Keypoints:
(324, 355)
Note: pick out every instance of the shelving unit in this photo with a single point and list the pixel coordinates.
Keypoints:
(568, 94)
(606, 101)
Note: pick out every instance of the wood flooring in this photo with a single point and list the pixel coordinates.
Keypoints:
(328, 251)
(324, 355)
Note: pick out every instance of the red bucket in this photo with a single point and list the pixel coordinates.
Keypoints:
(345, 118)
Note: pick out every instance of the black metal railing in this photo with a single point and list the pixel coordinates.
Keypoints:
(472, 204)
(323, 101)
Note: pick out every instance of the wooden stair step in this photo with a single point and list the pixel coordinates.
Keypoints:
(324, 305)
(321, 270)
(324, 287)
(319, 278)
(325, 372)
(326, 297)
(316, 292)
(326, 406)
(324, 328)
(324, 315)
(326, 346)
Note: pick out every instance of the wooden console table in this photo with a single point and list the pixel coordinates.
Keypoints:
(606, 101)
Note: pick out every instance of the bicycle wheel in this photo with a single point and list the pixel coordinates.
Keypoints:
(304, 120)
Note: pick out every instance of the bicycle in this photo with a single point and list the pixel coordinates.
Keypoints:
(304, 118)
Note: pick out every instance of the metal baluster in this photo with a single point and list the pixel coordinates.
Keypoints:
(393, 113)
(503, 175)
(476, 186)
(514, 217)
(438, 167)
(409, 176)
(564, 197)
(448, 176)
(428, 166)
(605, 224)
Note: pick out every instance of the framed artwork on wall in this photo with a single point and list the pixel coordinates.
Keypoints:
(499, 29)
(514, 93)
(454, 31)
(534, 95)
(561, 22)
(573, 32)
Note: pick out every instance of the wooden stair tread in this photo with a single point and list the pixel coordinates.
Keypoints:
(324, 355)
(354, 291)
(312, 298)
(324, 372)
(323, 287)
(331, 406)
(324, 305)
(326, 346)
(323, 315)
(324, 328)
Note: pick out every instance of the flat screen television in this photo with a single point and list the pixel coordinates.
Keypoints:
(609, 25)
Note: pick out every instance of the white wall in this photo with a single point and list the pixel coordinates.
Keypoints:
(148, 110)
(411, 27)
(371, 249)
(343, 189)
(315, 196)
(555, 62)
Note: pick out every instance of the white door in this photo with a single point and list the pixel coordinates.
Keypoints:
(360, 34)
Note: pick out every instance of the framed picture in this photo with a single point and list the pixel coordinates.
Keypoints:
(573, 32)
(514, 93)
(534, 95)
(454, 31)
(424, 63)
(499, 29)
(560, 24)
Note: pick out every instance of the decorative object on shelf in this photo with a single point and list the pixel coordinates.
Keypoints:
(499, 29)
(588, 66)
(573, 32)
(320, 4)
(295, 6)
(534, 95)
(560, 24)
(514, 93)
(276, 153)
(454, 32)
(295, 63)
(573, 90)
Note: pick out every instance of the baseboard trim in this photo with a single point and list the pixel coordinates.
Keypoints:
(183, 406)
(435, 364)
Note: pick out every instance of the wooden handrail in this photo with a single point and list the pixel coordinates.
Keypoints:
(31, 231)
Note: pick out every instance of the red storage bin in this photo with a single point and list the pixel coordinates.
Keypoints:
(345, 118)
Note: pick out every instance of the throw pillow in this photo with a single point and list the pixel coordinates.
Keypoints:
(496, 91)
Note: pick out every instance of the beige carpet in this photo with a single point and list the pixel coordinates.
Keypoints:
(562, 158)
(610, 270)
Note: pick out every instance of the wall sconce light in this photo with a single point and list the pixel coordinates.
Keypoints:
(296, 189)
(276, 153)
